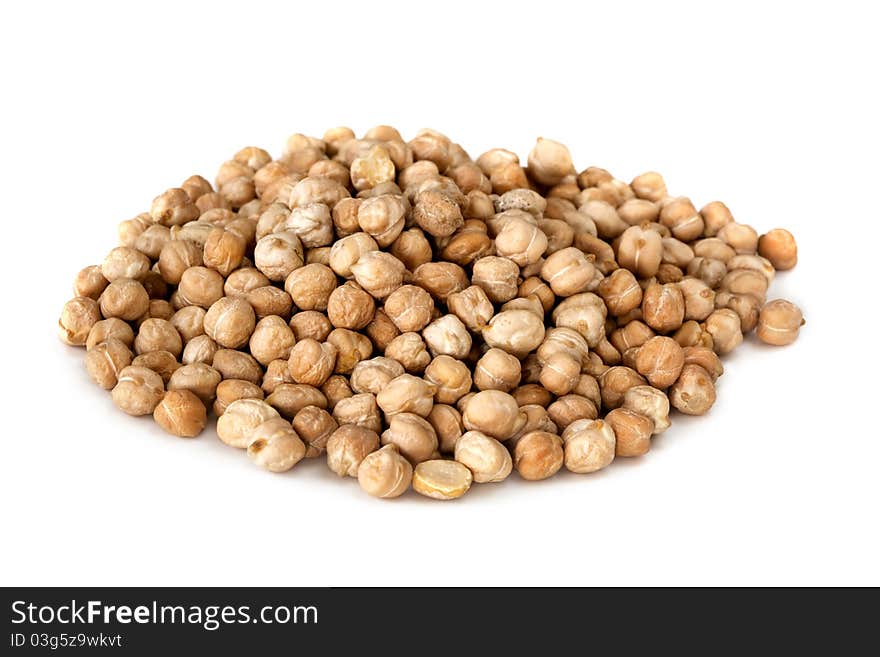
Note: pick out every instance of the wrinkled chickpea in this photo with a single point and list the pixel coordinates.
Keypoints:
(779, 322)
(694, 392)
(274, 445)
(385, 473)
(538, 455)
(589, 445)
(181, 413)
(413, 435)
(632, 432)
(138, 390)
(348, 446)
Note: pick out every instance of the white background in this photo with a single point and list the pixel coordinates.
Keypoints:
(771, 108)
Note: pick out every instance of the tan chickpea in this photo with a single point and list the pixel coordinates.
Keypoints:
(199, 378)
(640, 251)
(310, 324)
(589, 445)
(708, 270)
(447, 335)
(437, 213)
(694, 392)
(176, 257)
(348, 250)
(699, 298)
(571, 407)
(585, 313)
(682, 218)
(632, 432)
(407, 394)
(315, 426)
(660, 360)
(335, 389)
(385, 473)
(440, 279)
(272, 339)
(374, 374)
(181, 413)
(779, 247)
(348, 446)
(125, 262)
(446, 421)
(745, 281)
(741, 237)
(158, 335)
(413, 435)
(278, 254)
(497, 370)
(517, 332)
(471, 306)
(621, 292)
(173, 208)
(604, 217)
(497, 276)
(200, 286)
(224, 250)
(705, 358)
(230, 390)
(269, 300)
(138, 390)
(230, 322)
(663, 307)
(746, 306)
(494, 413)
(350, 307)
(615, 382)
(378, 273)
(559, 373)
(310, 286)
(107, 329)
(451, 377)
(382, 217)
(381, 330)
(409, 307)
(650, 186)
(162, 363)
(241, 418)
(633, 334)
(360, 409)
(485, 457)
(89, 282)
(158, 309)
(532, 394)
(106, 360)
(520, 241)
(311, 362)
(779, 322)
(275, 446)
(715, 215)
(238, 365)
(123, 298)
(568, 272)
(441, 480)
(650, 402)
(538, 455)
(351, 348)
(725, 327)
(78, 317)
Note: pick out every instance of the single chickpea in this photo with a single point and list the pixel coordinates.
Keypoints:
(373, 169)
(106, 360)
(559, 373)
(694, 392)
(485, 457)
(699, 298)
(196, 186)
(407, 394)
(532, 394)
(447, 336)
(311, 362)
(383, 217)
(138, 390)
(125, 262)
(335, 389)
(708, 270)
(741, 237)
(568, 272)
(224, 250)
(451, 377)
(275, 446)
(725, 327)
(316, 190)
(241, 418)
(269, 300)
(779, 247)
(348, 446)
(779, 322)
(471, 306)
(378, 273)
(538, 455)
(158, 309)
(715, 215)
(441, 479)
(351, 348)
(413, 435)
(310, 324)
(360, 409)
(431, 145)
(714, 248)
(409, 307)
(230, 390)
(315, 426)
(107, 329)
(162, 363)
(412, 248)
(640, 250)
(375, 374)
(446, 421)
(277, 373)
(604, 216)
(660, 360)
(633, 334)
(650, 402)
(437, 213)
(234, 364)
(176, 257)
(615, 382)
(272, 339)
(745, 281)
(130, 229)
(181, 413)
(682, 218)
(497, 370)
(230, 322)
(589, 445)
(494, 413)
(125, 299)
(517, 332)
(290, 398)
(385, 473)
(521, 241)
(746, 306)
(350, 307)
(497, 276)
(173, 208)
(585, 313)
(569, 408)
(348, 250)
(440, 279)
(621, 292)
(632, 432)
(199, 378)
(200, 286)
(278, 254)
(705, 358)
(650, 186)
(637, 211)
(78, 317)
(663, 307)
(89, 282)
(754, 262)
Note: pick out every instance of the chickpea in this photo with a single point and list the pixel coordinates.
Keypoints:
(708, 270)
(497, 277)
(138, 390)
(650, 402)
(348, 446)
(78, 317)
(278, 254)
(446, 421)
(241, 418)
(694, 392)
(440, 279)
(374, 374)
(382, 217)
(725, 327)
(409, 307)
(106, 329)
(746, 306)
(538, 455)
(224, 250)
(494, 413)
(485, 457)
(413, 435)
(200, 286)
(715, 215)
(589, 445)
(312, 362)
(779, 322)
(350, 307)
(451, 377)
(158, 335)
(471, 306)
(699, 298)
(412, 248)
(497, 370)
(310, 286)
(89, 282)
(741, 237)
(615, 382)
(570, 408)
(310, 324)
(640, 251)
(650, 186)
(237, 365)
(360, 409)
(274, 445)
(315, 426)
(585, 313)
(663, 307)
(198, 378)
(532, 394)
(779, 247)
(381, 330)
(335, 389)
(173, 208)
(520, 241)
(123, 298)
(230, 390)
(682, 218)
(385, 473)
(181, 413)
(106, 360)
(515, 331)
(269, 300)
(162, 363)
(351, 348)
(632, 432)
(441, 480)
(660, 360)
(230, 322)
(447, 336)
(407, 394)
(568, 272)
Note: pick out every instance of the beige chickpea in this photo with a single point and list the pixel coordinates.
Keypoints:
(278, 254)
(310, 324)
(316, 190)
(107, 329)
(549, 162)
(714, 248)
(640, 251)
(410, 351)
(537, 419)
(269, 300)
(468, 244)
(350, 307)
(200, 286)
(413, 435)
(106, 360)
(755, 263)
(196, 186)
(89, 282)
(660, 360)
(708, 270)
(637, 211)
(663, 307)
(347, 251)
(715, 215)
(375, 374)
(199, 378)
(440, 279)
(241, 418)
(779, 247)
(633, 334)
(173, 208)
(779, 322)
(746, 306)
(335, 389)
(412, 248)
(234, 364)
(694, 392)
(224, 250)
(493, 412)
(682, 218)
(310, 286)
(268, 221)
(441, 479)
(158, 335)
(378, 273)
(472, 306)
(315, 426)
(650, 186)
(538, 455)
(351, 348)
(532, 394)
(437, 213)
(230, 322)
(181, 413)
(589, 445)
(230, 390)
(162, 363)
(138, 390)
(615, 382)
(311, 362)
(407, 394)
(381, 330)
(699, 298)
(485, 457)
(741, 237)
(725, 327)
(621, 292)
(559, 373)
(517, 332)
(585, 313)
(447, 335)
(568, 272)
(676, 252)
(409, 307)
(382, 217)
(650, 402)
(311, 223)
(705, 358)
(446, 421)
(745, 281)
(385, 473)
(78, 317)
(272, 339)
(360, 409)
(632, 432)
(535, 286)
(497, 276)
(176, 257)
(451, 377)
(290, 398)
(348, 446)
(158, 309)
(125, 299)
(571, 407)
(275, 446)
(125, 262)
(497, 370)
(130, 229)
(520, 241)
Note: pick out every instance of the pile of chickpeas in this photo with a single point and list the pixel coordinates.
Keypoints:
(422, 319)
